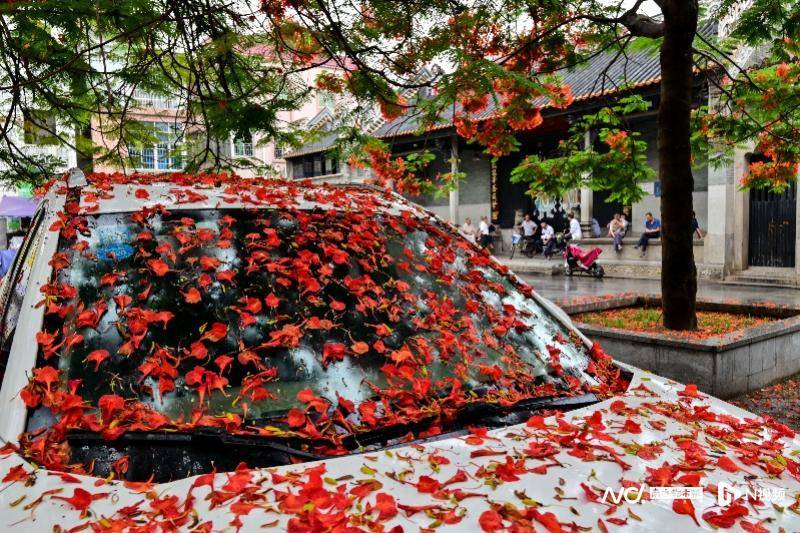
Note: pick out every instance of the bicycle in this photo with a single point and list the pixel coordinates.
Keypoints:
(516, 239)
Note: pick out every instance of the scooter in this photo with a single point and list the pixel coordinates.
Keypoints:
(581, 261)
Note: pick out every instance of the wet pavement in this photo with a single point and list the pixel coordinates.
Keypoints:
(565, 288)
(781, 401)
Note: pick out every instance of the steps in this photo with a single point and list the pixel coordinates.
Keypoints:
(613, 269)
(630, 268)
(629, 253)
(756, 276)
(554, 267)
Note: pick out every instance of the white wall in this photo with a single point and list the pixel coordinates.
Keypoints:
(653, 204)
(473, 211)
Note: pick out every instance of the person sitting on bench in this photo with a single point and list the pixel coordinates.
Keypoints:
(548, 238)
(652, 230)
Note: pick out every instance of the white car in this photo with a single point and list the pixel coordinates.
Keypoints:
(208, 353)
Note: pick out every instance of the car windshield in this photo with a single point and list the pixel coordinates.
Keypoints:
(314, 322)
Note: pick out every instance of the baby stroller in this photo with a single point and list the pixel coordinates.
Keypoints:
(578, 260)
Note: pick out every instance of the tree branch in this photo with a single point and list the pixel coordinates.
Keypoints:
(641, 25)
(637, 24)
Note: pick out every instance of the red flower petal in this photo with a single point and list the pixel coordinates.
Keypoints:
(97, 357)
(159, 267)
(490, 520)
(192, 296)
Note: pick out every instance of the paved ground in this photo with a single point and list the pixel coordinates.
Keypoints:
(781, 401)
(563, 287)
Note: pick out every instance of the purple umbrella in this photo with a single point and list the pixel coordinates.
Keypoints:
(16, 206)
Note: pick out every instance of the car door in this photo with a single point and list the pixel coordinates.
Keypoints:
(15, 284)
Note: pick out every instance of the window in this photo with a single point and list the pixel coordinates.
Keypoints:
(278, 151)
(312, 166)
(331, 166)
(295, 369)
(162, 152)
(154, 101)
(308, 167)
(243, 147)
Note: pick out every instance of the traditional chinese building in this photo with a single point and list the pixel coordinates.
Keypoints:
(748, 235)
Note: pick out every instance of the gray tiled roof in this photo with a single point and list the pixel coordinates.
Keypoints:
(320, 145)
(602, 75)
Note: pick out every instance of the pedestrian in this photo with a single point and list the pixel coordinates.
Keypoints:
(485, 233)
(574, 227)
(652, 230)
(529, 229)
(6, 258)
(595, 228)
(616, 230)
(468, 230)
(548, 238)
(696, 227)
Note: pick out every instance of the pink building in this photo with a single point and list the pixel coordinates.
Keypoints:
(167, 120)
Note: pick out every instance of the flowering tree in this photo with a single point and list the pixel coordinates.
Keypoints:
(73, 72)
(510, 53)
(79, 61)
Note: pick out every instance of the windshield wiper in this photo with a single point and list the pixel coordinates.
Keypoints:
(476, 412)
(481, 410)
(164, 456)
(171, 455)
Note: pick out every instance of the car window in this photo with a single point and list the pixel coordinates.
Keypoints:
(15, 284)
(240, 311)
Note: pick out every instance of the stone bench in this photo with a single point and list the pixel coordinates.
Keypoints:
(629, 253)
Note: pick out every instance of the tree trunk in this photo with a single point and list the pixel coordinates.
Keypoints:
(678, 271)
(84, 159)
(84, 155)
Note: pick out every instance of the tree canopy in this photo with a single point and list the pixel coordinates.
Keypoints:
(76, 70)
(73, 69)
(232, 67)
(512, 53)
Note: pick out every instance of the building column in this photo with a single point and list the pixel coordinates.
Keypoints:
(587, 196)
(727, 216)
(494, 201)
(453, 172)
(587, 201)
(797, 235)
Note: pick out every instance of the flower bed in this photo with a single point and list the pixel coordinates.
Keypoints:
(741, 346)
(648, 320)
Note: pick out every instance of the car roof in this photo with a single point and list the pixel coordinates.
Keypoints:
(119, 193)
